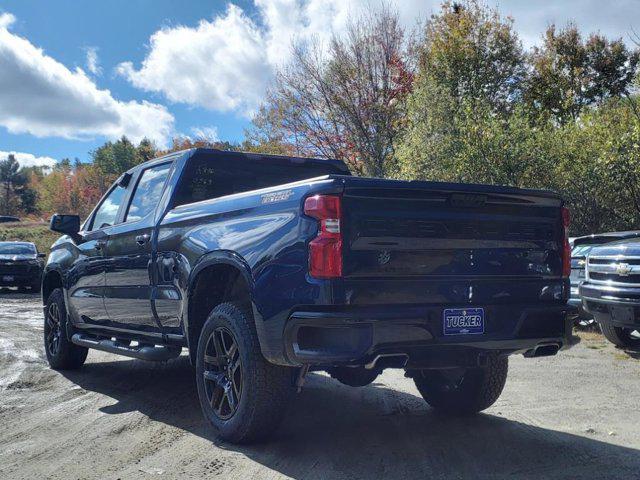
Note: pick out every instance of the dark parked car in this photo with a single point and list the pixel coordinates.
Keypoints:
(581, 246)
(20, 265)
(8, 219)
(265, 267)
(611, 291)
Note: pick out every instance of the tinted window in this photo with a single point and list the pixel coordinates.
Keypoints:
(108, 210)
(582, 250)
(16, 248)
(206, 178)
(148, 192)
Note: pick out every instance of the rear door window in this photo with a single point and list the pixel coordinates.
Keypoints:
(148, 192)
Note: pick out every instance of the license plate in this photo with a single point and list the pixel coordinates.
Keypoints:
(8, 278)
(622, 314)
(463, 321)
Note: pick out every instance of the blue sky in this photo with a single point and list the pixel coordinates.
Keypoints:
(163, 68)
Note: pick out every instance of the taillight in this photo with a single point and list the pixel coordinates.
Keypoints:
(566, 251)
(325, 251)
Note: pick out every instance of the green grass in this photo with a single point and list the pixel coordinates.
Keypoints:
(36, 232)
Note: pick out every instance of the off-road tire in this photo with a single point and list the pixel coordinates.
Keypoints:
(265, 388)
(354, 376)
(67, 355)
(620, 337)
(477, 390)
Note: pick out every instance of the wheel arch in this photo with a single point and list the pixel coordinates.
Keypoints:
(217, 277)
(51, 279)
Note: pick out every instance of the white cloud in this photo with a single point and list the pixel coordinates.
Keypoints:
(219, 64)
(42, 97)
(206, 133)
(6, 19)
(226, 63)
(93, 62)
(30, 160)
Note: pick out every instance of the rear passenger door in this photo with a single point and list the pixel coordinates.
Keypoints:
(128, 283)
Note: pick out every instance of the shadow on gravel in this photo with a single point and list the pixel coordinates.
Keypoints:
(334, 431)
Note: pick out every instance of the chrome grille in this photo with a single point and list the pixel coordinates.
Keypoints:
(614, 270)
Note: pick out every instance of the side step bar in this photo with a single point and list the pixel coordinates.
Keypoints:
(146, 352)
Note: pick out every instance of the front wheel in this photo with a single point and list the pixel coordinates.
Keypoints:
(242, 395)
(463, 391)
(61, 353)
(621, 337)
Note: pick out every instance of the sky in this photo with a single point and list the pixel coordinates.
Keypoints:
(74, 74)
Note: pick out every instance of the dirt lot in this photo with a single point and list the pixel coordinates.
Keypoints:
(576, 415)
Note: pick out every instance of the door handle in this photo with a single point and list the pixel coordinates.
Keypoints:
(100, 244)
(142, 239)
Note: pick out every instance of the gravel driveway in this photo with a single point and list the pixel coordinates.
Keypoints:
(576, 415)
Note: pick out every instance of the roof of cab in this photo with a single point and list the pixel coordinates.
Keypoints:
(213, 152)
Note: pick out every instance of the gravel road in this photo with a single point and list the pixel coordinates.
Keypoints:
(576, 415)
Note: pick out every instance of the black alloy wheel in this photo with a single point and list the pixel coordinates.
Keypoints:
(52, 329)
(222, 373)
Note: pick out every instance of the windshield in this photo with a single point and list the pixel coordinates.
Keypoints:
(582, 250)
(16, 249)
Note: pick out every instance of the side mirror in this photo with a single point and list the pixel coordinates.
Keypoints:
(41, 254)
(68, 224)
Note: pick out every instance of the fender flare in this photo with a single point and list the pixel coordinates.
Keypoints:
(54, 270)
(219, 257)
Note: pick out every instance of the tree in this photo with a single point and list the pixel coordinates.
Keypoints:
(114, 158)
(266, 135)
(345, 101)
(146, 150)
(469, 80)
(15, 195)
(569, 74)
(473, 54)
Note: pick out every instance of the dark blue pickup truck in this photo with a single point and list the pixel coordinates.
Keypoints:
(266, 267)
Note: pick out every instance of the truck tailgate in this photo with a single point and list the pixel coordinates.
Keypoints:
(438, 239)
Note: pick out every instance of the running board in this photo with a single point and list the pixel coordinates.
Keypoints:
(146, 352)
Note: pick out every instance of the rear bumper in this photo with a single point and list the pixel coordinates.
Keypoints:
(361, 336)
(618, 306)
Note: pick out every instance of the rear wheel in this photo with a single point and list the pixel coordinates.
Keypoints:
(61, 353)
(463, 391)
(242, 395)
(621, 337)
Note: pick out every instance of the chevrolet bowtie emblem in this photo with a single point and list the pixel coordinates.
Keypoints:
(623, 269)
